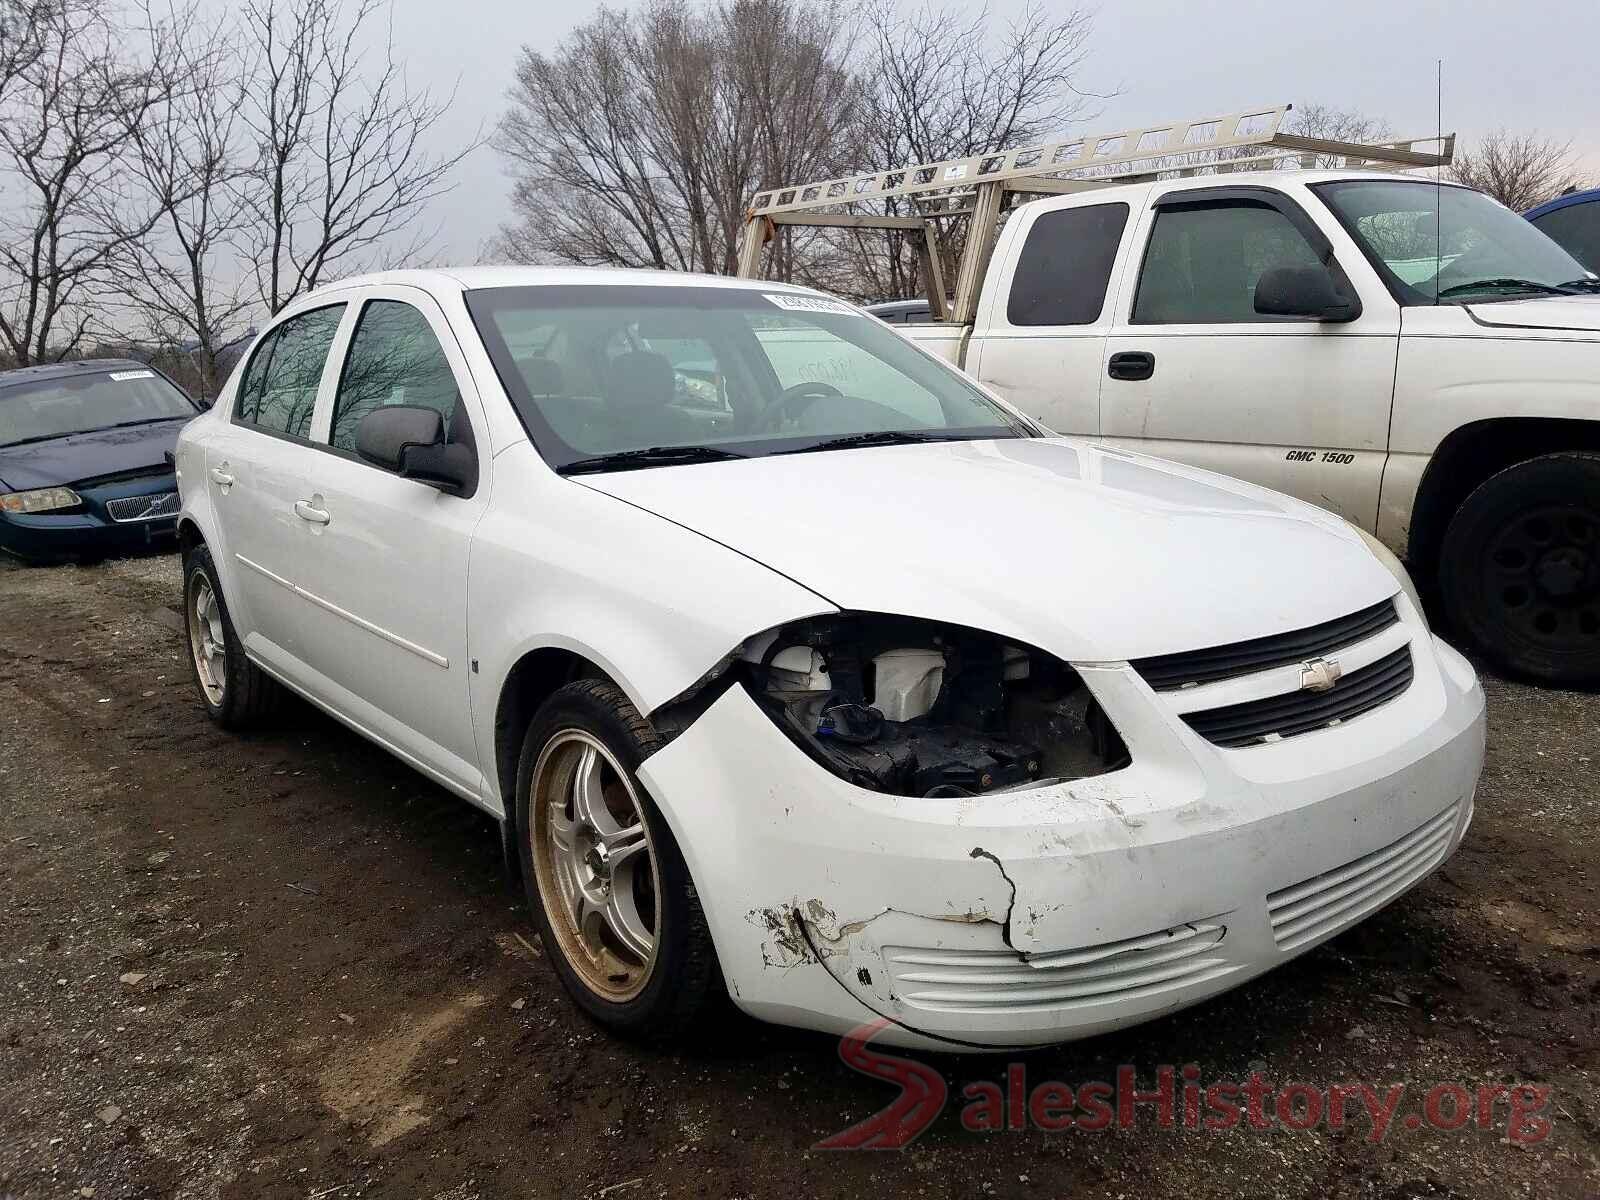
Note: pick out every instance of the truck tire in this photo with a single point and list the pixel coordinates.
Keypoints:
(609, 889)
(1519, 570)
(237, 694)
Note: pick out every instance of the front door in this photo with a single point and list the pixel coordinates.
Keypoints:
(384, 558)
(1191, 372)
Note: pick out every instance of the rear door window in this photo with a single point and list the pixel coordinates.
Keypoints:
(1065, 266)
(278, 392)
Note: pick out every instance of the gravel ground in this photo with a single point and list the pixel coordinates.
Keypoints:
(285, 965)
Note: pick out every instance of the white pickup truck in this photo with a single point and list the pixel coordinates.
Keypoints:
(1414, 357)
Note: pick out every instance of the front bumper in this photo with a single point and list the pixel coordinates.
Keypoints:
(1039, 916)
(92, 531)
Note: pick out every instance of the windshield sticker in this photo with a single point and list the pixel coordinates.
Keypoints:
(124, 376)
(811, 304)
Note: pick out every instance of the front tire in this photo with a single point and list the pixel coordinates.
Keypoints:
(608, 886)
(1520, 568)
(236, 693)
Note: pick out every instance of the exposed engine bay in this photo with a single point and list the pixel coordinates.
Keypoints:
(916, 708)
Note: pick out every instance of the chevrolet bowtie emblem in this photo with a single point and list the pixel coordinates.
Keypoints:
(1319, 675)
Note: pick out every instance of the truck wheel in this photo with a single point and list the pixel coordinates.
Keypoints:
(609, 890)
(1520, 568)
(237, 693)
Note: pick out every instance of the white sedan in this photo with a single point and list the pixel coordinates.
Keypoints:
(792, 662)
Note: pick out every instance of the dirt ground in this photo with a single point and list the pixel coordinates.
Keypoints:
(287, 966)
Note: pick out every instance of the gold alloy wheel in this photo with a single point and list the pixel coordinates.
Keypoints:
(206, 641)
(595, 864)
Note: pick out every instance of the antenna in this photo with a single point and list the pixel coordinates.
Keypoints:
(1438, 177)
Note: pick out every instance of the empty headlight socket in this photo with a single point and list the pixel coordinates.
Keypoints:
(920, 708)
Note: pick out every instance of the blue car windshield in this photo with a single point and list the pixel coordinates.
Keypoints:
(68, 404)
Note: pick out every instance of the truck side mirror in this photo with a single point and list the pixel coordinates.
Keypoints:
(1305, 292)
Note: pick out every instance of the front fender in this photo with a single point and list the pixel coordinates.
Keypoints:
(652, 604)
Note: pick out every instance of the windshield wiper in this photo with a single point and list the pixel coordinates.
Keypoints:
(1587, 284)
(1507, 282)
(650, 456)
(878, 437)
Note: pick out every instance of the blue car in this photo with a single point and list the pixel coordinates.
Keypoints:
(85, 470)
(1573, 222)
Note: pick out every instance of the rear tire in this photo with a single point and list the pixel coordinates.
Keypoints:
(608, 886)
(237, 694)
(1519, 570)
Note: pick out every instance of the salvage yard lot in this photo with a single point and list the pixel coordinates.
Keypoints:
(286, 965)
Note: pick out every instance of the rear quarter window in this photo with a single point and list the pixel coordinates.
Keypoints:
(1065, 266)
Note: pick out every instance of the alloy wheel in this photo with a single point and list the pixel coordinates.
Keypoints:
(595, 864)
(206, 640)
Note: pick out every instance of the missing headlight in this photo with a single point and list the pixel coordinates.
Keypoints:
(916, 708)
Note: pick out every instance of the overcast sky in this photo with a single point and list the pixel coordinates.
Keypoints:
(1529, 65)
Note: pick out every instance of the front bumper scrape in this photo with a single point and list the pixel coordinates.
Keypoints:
(1057, 912)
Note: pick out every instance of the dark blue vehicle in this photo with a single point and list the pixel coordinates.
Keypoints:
(84, 467)
(1573, 222)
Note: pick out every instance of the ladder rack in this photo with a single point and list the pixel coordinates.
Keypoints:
(976, 187)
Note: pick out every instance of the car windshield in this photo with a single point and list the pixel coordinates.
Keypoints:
(67, 404)
(1448, 244)
(608, 378)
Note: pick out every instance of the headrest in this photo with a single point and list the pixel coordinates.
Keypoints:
(640, 379)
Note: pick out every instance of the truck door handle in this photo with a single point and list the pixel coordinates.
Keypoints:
(221, 478)
(1131, 365)
(307, 511)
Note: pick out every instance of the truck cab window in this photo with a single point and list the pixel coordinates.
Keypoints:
(1065, 266)
(1203, 262)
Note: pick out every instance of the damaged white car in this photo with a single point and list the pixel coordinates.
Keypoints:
(793, 662)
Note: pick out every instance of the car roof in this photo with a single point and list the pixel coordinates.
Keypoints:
(82, 366)
(472, 278)
(1567, 201)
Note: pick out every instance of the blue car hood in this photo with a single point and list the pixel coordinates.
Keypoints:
(78, 456)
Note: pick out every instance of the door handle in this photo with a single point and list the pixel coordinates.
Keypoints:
(1131, 365)
(221, 478)
(308, 511)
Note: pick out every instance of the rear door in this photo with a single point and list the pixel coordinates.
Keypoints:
(383, 559)
(1191, 371)
(1040, 345)
(254, 472)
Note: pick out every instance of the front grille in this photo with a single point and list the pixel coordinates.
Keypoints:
(1278, 717)
(1169, 672)
(1002, 981)
(144, 508)
(1344, 895)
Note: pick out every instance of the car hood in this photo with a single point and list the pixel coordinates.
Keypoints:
(1089, 553)
(80, 456)
(1580, 314)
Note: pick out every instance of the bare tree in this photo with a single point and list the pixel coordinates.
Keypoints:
(639, 140)
(1519, 169)
(338, 168)
(183, 280)
(945, 84)
(68, 113)
(1338, 124)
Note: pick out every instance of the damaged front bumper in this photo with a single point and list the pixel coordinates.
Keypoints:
(1051, 913)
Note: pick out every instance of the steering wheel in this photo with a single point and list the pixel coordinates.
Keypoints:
(795, 400)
